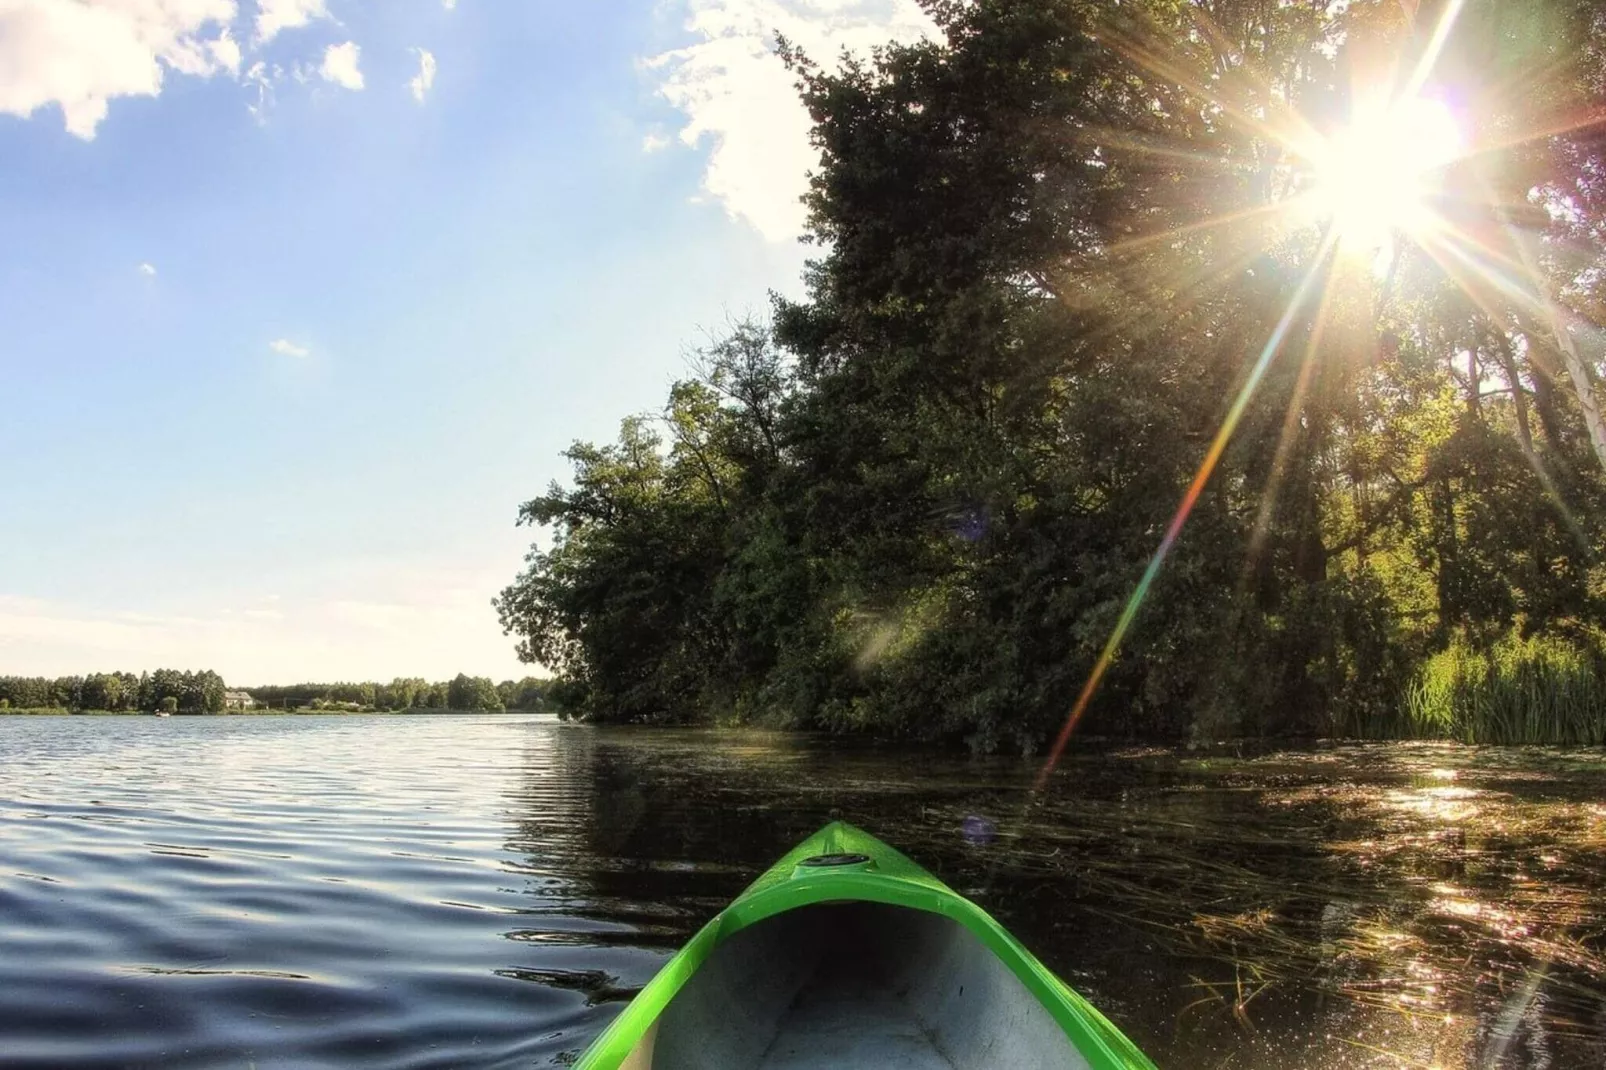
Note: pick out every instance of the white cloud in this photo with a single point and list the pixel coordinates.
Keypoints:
(276, 15)
(654, 143)
(340, 65)
(288, 348)
(425, 78)
(226, 51)
(262, 79)
(735, 93)
(148, 270)
(449, 4)
(81, 54)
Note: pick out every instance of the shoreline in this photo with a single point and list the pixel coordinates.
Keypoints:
(300, 712)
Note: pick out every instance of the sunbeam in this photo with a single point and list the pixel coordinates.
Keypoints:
(1374, 185)
(1206, 467)
(1435, 48)
(1203, 226)
(1285, 440)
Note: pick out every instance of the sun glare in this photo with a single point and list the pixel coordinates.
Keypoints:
(1378, 175)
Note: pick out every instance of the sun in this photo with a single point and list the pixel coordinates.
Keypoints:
(1379, 175)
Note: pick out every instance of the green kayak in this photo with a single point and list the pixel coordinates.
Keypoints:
(847, 954)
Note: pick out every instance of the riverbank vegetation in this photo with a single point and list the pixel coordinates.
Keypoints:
(1082, 262)
(204, 692)
(462, 692)
(1539, 689)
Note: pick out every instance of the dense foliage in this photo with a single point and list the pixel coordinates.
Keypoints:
(1052, 246)
(463, 692)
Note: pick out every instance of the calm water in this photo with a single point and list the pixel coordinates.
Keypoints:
(485, 892)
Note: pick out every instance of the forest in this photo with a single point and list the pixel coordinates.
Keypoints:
(204, 692)
(117, 692)
(1111, 370)
(462, 692)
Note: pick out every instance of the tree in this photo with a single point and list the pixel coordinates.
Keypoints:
(1052, 252)
(103, 691)
(472, 693)
(530, 693)
(399, 694)
(66, 692)
(22, 692)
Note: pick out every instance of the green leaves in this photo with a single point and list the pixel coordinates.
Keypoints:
(1051, 250)
(472, 693)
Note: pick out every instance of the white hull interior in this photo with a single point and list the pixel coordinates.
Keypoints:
(854, 985)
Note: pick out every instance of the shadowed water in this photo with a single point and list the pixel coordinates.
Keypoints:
(487, 891)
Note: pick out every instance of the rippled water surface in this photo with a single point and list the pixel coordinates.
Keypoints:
(487, 891)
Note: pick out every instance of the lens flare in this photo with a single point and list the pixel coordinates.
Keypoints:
(1206, 467)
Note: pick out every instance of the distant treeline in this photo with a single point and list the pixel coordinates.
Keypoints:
(117, 692)
(460, 693)
(205, 692)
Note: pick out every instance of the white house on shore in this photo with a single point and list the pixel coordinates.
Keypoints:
(239, 700)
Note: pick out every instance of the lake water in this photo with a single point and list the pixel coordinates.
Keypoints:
(487, 891)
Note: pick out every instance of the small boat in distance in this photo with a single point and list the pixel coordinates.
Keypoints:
(846, 954)
(163, 713)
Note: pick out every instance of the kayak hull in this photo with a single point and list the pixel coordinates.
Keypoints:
(845, 953)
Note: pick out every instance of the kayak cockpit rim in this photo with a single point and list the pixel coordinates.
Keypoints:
(887, 878)
(854, 983)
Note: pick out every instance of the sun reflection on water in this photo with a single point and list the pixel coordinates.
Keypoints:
(1457, 896)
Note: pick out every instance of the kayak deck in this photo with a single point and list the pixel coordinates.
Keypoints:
(858, 984)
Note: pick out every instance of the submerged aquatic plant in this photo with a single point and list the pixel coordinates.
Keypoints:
(1418, 893)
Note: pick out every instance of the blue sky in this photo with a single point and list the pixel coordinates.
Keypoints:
(299, 299)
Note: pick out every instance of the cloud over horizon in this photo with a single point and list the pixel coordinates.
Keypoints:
(369, 632)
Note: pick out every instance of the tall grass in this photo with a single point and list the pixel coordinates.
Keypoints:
(1539, 689)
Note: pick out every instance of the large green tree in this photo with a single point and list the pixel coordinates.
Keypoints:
(1056, 245)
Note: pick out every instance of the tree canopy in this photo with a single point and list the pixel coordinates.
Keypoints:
(1074, 270)
(117, 692)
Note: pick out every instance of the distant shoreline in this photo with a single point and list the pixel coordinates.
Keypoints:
(299, 712)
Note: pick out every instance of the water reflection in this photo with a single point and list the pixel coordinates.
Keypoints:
(486, 892)
(1355, 906)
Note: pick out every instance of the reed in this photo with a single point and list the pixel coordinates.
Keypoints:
(1543, 688)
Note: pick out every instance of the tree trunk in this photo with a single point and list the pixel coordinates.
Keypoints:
(1519, 395)
(1545, 374)
(1578, 372)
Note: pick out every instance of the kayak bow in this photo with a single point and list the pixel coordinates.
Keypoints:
(845, 954)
